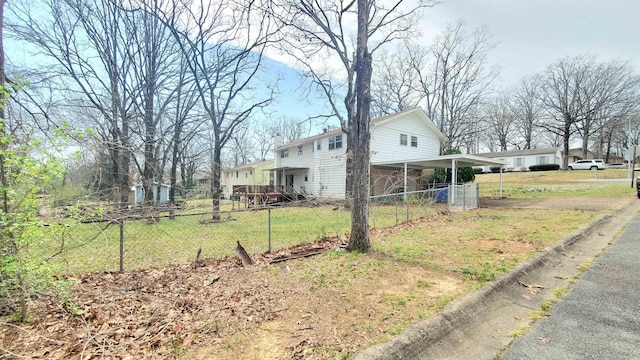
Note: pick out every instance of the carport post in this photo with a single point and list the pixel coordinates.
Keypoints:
(405, 182)
(454, 181)
(500, 182)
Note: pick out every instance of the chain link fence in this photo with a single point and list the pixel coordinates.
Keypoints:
(135, 238)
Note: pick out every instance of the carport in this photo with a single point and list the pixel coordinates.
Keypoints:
(453, 162)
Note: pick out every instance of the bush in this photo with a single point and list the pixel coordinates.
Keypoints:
(464, 174)
(544, 167)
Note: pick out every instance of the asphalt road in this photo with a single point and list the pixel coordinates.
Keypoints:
(599, 318)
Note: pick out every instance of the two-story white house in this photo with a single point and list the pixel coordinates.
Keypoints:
(317, 166)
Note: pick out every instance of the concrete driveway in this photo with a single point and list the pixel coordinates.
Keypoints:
(600, 316)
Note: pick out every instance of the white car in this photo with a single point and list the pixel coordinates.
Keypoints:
(587, 165)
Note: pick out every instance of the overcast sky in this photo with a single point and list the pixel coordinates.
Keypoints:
(533, 34)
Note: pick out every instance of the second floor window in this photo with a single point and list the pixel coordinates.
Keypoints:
(414, 141)
(335, 142)
(284, 154)
(319, 145)
(403, 139)
(299, 150)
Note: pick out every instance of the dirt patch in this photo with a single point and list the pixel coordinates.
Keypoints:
(573, 203)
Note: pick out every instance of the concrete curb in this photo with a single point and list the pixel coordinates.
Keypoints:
(419, 338)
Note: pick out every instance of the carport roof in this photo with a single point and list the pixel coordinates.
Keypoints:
(444, 161)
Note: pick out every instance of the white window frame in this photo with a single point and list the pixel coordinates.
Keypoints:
(403, 139)
(335, 142)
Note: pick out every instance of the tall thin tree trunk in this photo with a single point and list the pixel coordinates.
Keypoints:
(360, 133)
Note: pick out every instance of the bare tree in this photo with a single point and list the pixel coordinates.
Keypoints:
(610, 92)
(289, 128)
(580, 94)
(223, 45)
(499, 120)
(86, 40)
(154, 67)
(527, 109)
(461, 78)
(396, 83)
(317, 32)
(562, 84)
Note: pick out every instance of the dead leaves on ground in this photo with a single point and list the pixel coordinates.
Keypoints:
(152, 312)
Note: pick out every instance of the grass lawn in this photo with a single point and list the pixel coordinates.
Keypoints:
(558, 184)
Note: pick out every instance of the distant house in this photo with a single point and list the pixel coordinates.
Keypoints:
(138, 193)
(257, 173)
(317, 166)
(520, 160)
(575, 154)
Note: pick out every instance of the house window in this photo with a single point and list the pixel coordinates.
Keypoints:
(306, 177)
(319, 145)
(284, 153)
(403, 139)
(236, 174)
(246, 175)
(299, 150)
(335, 142)
(542, 160)
(414, 141)
(518, 162)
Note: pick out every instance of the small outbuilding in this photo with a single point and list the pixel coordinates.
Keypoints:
(138, 193)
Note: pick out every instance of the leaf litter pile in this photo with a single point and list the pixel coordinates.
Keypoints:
(152, 312)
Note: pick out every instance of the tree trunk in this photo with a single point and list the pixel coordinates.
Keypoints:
(215, 182)
(360, 134)
(565, 142)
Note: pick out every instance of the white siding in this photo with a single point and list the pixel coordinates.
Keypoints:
(385, 140)
(295, 160)
(328, 175)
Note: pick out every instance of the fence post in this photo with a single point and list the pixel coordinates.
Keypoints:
(397, 202)
(464, 197)
(121, 226)
(269, 227)
(406, 203)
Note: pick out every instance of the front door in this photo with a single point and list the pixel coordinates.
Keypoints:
(289, 183)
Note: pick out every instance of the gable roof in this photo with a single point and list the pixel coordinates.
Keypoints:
(526, 152)
(379, 121)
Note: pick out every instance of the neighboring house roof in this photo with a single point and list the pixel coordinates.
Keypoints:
(526, 152)
(252, 165)
(379, 121)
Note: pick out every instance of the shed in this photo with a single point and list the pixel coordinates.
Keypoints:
(138, 192)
